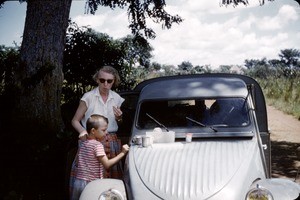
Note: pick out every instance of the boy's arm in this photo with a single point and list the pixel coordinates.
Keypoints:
(107, 163)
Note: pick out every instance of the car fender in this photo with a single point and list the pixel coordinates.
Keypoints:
(281, 189)
(95, 188)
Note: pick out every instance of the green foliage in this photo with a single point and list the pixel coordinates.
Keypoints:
(287, 66)
(87, 50)
(225, 68)
(252, 63)
(261, 71)
(283, 93)
(9, 61)
(138, 13)
(237, 2)
(290, 57)
(185, 66)
(280, 80)
(137, 54)
(137, 50)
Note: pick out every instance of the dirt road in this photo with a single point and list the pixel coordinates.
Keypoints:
(283, 127)
(285, 139)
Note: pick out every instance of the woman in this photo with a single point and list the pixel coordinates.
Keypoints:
(103, 101)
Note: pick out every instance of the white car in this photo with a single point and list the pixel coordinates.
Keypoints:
(196, 137)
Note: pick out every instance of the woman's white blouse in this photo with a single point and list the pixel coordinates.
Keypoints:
(96, 105)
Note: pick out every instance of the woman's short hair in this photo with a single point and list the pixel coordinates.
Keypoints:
(110, 70)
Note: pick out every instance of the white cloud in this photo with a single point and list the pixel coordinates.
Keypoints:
(285, 15)
(112, 22)
(93, 21)
(268, 23)
(248, 22)
(210, 34)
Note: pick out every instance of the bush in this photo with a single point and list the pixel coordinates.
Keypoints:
(283, 93)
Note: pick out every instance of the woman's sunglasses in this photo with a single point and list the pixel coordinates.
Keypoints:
(102, 80)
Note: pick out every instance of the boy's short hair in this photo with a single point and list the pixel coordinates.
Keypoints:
(94, 121)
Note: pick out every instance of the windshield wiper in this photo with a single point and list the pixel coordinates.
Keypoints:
(200, 124)
(158, 123)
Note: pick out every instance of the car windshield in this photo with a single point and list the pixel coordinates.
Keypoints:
(221, 112)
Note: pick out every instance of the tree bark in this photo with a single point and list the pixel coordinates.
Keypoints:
(39, 77)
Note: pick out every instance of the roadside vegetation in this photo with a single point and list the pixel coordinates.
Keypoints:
(86, 50)
(279, 79)
(283, 94)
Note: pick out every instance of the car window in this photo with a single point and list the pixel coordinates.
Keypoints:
(227, 112)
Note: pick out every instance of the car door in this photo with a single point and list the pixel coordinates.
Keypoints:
(128, 108)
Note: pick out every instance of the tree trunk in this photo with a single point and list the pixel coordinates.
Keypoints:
(39, 77)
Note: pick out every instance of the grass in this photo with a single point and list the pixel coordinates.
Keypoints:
(283, 94)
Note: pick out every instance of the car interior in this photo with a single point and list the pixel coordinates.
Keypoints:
(230, 112)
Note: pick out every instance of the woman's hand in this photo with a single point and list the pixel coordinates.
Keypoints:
(118, 113)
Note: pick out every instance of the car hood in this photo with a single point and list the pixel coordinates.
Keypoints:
(196, 170)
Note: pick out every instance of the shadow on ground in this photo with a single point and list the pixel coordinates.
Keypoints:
(284, 160)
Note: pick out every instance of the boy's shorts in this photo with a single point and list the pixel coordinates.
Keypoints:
(78, 187)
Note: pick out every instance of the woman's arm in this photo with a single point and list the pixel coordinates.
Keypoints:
(82, 108)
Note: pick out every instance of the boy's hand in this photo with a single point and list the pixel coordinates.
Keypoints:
(125, 148)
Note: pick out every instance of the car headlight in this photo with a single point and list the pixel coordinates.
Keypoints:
(259, 193)
(111, 194)
(104, 189)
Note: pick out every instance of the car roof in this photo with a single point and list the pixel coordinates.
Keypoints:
(194, 87)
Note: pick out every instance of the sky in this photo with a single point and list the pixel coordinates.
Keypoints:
(209, 35)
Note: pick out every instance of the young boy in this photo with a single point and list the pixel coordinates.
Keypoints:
(91, 156)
